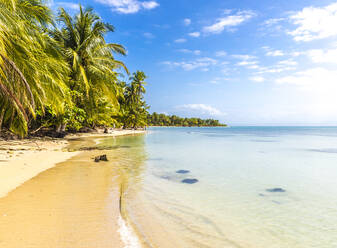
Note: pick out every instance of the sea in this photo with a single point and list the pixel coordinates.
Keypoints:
(244, 187)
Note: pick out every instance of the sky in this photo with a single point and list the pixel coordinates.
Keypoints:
(262, 62)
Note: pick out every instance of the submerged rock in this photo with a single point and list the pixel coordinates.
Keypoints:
(276, 190)
(166, 177)
(101, 158)
(182, 171)
(190, 181)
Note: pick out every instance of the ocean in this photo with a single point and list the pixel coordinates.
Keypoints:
(272, 187)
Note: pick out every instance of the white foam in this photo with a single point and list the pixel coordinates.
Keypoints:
(128, 236)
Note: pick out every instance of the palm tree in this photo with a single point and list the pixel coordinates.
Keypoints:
(134, 100)
(91, 60)
(31, 66)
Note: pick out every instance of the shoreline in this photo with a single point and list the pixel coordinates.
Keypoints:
(21, 160)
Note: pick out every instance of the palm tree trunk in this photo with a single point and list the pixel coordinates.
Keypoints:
(2, 114)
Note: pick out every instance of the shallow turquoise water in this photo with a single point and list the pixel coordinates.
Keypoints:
(230, 206)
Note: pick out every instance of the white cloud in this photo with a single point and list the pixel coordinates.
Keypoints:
(275, 53)
(194, 34)
(196, 52)
(182, 40)
(273, 21)
(200, 63)
(228, 22)
(149, 35)
(129, 6)
(258, 79)
(281, 66)
(248, 61)
(221, 53)
(150, 4)
(321, 82)
(323, 56)
(315, 23)
(296, 54)
(187, 22)
(243, 56)
(201, 109)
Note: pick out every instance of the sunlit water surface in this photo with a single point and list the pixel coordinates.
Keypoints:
(230, 206)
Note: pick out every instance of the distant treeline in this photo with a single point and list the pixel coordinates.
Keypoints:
(156, 119)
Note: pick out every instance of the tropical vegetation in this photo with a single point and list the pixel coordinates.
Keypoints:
(155, 119)
(59, 72)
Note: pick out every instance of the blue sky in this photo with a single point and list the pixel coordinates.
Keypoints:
(243, 62)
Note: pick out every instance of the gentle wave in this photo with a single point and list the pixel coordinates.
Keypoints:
(127, 235)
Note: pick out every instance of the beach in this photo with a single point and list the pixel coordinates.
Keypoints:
(43, 205)
(21, 160)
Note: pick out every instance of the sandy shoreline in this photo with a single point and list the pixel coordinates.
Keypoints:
(21, 160)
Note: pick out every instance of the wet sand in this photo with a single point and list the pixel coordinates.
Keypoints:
(49, 203)
(21, 160)
(73, 204)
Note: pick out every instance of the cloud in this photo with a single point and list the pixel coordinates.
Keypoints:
(150, 5)
(273, 21)
(203, 109)
(275, 53)
(280, 66)
(287, 62)
(323, 56)
(320, 81)
(194, 34)
(129, 6)
(200, 63)
(221, 53)
(318, 86)
(314, 23)
(257, 79)
(243, 56)
(149, 35)
(187, 22)
(248, 61)
(228, 22)
(196, 52)
(182, 40)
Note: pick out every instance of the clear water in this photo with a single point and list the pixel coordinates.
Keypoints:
(230, 206)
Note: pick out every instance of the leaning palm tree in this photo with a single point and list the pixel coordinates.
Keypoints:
(93, 73)
(32, 70)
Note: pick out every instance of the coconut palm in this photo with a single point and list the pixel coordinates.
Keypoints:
(32, 70)
(91, 60)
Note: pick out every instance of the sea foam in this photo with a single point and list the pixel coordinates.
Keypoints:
(127, 235)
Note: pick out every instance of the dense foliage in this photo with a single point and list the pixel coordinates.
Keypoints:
(155, 119)
(61, 73)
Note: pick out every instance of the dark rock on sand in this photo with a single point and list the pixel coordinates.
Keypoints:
(190, 181)
(101, 158)
(182, 171)
(274, 190)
